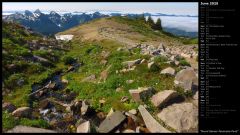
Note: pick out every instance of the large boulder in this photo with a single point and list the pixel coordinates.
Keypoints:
(26, 129)
(152, 125)
(84, 127)
(8, 106)
(182, 117)
(187, 79)
(142, 93)
(168, 71)
(22, 112)
(111, 122)
(162, 98)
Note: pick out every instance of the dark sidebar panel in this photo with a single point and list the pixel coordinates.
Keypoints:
(219, 67)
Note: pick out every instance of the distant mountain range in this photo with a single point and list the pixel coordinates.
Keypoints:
(178, 32)
(49, 23)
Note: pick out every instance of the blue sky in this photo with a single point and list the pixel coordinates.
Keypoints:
(180, 8)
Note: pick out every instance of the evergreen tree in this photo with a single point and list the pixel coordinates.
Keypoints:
(158, 25)
(150, 22)
(142, 18)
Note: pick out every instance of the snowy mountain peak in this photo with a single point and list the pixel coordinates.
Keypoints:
(37, 11)
(53, 13)
(28, 13)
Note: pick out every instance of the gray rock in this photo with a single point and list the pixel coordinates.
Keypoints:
(143, 60)
(111, 122)
(182, 117)
(150, 64)
(176, 62)
(41, 59)
(161, 98)
(135, 118)
(89, 78)
(162, 47)
(133, 111)
(152, 125)
(142, 93)
(8, 106)
(127, 70)
(26, 129)
(22, 112)
(172, 58)
(168, 71)
(84, 127)
(187, 79)
(128, 131)
(132, 63)
(85, 108)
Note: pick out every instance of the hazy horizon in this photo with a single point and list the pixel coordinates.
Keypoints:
(177, 8)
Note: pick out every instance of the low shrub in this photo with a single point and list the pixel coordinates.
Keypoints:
(68, 60)
(34, 123)
(8, 121)
(184, 63)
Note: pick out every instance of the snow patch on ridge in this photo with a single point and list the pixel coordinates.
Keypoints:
(64, 37)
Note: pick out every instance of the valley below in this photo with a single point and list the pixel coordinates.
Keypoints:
(108, 75)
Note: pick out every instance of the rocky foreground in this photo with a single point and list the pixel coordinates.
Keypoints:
(64, 113)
